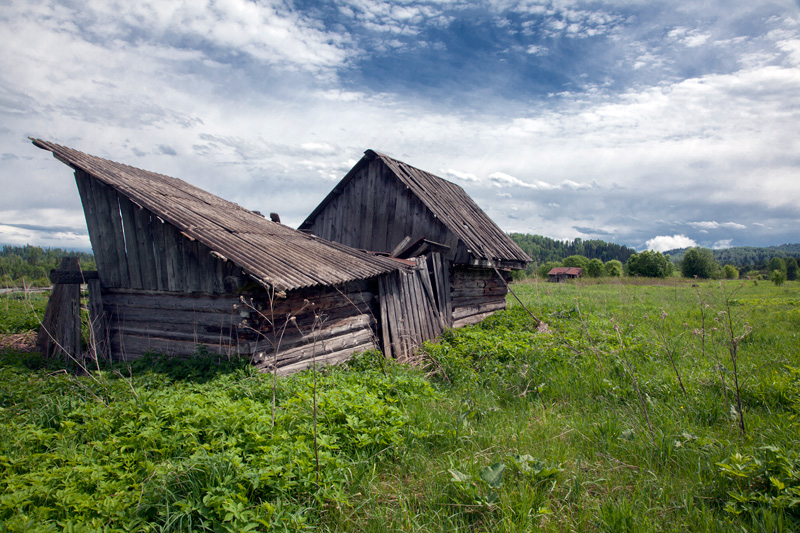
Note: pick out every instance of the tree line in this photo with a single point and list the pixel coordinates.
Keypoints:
(30, 265)
(601, 259)
(747, 257)
(546, 250)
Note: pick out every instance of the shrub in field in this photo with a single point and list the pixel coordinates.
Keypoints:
(778, 277)
(595, 268)
(650, 264)
(613, 268)
(730, 272)
(700, 263)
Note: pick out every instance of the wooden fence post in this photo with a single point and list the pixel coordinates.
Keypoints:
(61, 327)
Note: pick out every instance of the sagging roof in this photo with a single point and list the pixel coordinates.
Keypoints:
(271, 253)
(449, 203)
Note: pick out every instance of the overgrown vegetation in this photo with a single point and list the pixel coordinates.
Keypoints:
(646, 407)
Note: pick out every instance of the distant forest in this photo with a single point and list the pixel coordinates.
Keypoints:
(746, 257)
(544, 249)
(33, 264)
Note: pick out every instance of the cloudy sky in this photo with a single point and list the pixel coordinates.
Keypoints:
(656, 124)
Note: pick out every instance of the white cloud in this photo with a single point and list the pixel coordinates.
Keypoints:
(722, 244)
(706, 225)
(662, 243)
(501, 179)
(463, 176)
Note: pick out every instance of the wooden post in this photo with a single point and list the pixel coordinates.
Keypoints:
(61, 327)
(100, 341)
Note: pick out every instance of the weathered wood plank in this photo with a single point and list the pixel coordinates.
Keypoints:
(60, 333)
(173, 244)
(115, 218)
(92, 224)
(71, 277)
(132, 347)
(461, 312)
(126, 209)
(160, 252)
(176, 301)
(100, 342)
(106, 236)
(145, 244)
(328, 359)
(384, 319)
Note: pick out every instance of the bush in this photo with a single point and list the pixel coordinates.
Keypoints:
(700, 263)
(649, 264)
(595, 268)
(577, 261)
(730, 272)
(614, 268)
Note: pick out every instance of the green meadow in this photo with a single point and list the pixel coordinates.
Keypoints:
(644, 406)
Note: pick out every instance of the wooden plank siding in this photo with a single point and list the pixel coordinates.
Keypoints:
(412, 317)
(476, 294)
(393, 212)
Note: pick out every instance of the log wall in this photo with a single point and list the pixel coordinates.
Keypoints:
(476, 294)
(324, 324)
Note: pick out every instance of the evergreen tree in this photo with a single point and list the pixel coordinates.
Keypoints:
(791, 268)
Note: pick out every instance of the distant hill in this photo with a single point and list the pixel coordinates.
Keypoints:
(544, 249)
(751, 257)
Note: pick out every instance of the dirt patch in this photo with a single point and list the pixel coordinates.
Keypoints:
(21, 342)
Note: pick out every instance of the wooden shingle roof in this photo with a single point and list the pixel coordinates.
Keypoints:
(450, 204)
(271, 253)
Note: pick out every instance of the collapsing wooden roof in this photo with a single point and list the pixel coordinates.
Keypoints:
(447, 202)
(272, 254)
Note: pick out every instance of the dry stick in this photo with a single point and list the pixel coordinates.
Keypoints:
(670, 350)
(719, 365)
(733, 349)
(276, 340)
(540, 325)
(629, 368)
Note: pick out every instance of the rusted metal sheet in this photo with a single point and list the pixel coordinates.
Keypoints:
(273, 254)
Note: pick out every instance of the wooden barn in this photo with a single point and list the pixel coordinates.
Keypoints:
(384, 205)
(178, 267)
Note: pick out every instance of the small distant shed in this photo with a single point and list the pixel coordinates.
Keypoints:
(559, 274)
(387, 206)
(178, 267)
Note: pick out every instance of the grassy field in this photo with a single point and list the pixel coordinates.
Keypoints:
(645, 407)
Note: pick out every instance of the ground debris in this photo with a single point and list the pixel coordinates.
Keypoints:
(21, 342)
